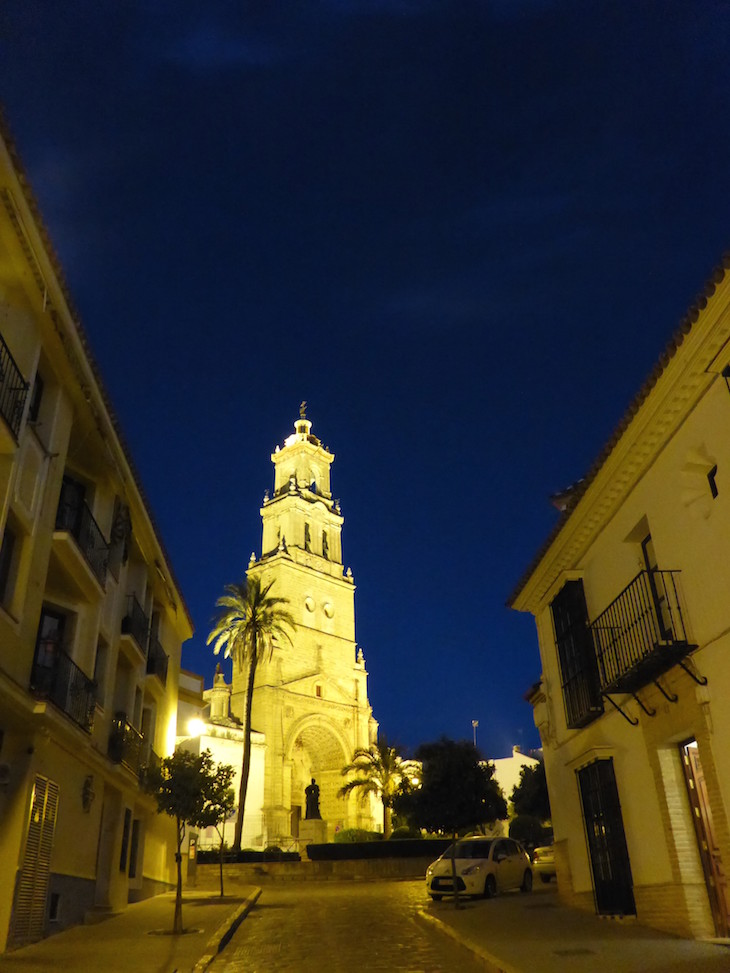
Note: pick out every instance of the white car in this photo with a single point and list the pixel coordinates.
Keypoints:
(484, 866)
(543, 862)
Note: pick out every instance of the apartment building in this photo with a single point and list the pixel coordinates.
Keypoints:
(630, 597)
(91, 618)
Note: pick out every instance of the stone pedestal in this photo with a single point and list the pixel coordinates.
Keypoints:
(312, 831)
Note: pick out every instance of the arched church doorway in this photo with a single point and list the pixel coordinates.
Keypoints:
(317, 752)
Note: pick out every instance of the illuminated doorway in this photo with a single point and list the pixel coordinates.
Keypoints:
(715, 877)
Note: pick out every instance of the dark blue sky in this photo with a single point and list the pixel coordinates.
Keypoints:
(463, 231)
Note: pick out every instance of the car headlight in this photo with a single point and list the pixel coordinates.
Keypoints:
(470, 869)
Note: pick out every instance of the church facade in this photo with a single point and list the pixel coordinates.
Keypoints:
(310, 699)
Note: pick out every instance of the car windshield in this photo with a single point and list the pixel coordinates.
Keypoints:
(469, 849)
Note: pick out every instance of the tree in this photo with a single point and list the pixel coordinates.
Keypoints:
(380, 771)
(530, 796)
(220, 802)
(458, 792)
(183, 786)
(250, 624)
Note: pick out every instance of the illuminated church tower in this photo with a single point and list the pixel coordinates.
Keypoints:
(311, 699)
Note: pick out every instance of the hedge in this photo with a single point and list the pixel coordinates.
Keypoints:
(406, 848)
(231, 857)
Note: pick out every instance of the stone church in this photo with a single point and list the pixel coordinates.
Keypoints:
(310, 699)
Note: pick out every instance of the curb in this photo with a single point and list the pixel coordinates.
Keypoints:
(222, 936)
(492, 963)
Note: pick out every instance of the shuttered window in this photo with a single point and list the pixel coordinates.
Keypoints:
(29, 914)
(577, 655)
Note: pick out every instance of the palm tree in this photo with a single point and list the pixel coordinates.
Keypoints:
(380, 771)
(249, 625)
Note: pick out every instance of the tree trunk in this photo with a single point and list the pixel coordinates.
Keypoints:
(246, 763)
(220, 853)
(177, 924)
(387, 818)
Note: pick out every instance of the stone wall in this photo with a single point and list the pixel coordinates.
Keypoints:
(255, 873)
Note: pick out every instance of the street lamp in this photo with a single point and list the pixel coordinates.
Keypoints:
(474, 725)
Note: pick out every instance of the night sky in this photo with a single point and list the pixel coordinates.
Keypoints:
(462, 231)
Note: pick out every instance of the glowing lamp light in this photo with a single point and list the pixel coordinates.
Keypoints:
(196, 727)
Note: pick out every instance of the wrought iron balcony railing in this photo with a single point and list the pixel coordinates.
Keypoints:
(125, 743)
(78, 520)
(56, 677)
(13, 390)
(157, 661)
(135, 623)
(150, 764)
(641, 634)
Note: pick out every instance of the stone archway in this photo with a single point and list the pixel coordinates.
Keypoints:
(316, 749)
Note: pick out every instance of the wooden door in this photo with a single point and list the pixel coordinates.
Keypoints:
(715, 877)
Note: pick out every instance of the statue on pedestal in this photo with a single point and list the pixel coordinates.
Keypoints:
(312, 795)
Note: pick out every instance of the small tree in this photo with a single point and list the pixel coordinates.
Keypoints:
(530, 796)
(182, 786)
(457, 792)
(380, 771)
(220, 802)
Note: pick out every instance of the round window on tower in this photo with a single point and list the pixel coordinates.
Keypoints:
(309, 604)
(328, 609)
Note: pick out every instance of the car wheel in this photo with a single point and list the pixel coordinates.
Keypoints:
(545, 878)
(526, 881)
(436, 898)
(490, 887)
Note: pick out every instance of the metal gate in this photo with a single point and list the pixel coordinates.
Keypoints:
(612, 882)
(29, 912)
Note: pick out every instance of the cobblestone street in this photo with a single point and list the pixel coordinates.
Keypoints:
(341, 928)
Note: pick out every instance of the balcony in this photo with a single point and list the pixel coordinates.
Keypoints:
(157, 661)
(135, 627)
(641, 635)
(78, 520)
(150, 764)
(13, 393)
(126, 744)
(57, 678)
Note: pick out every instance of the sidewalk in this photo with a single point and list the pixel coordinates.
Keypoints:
(536, 934)
(139, 939)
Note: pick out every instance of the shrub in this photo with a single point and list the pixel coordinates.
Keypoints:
(404, 832)
(349, 835)
(428, 848)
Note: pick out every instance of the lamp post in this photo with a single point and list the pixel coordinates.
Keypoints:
(474, 725)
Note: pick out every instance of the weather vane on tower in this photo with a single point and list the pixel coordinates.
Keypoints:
(303, 410)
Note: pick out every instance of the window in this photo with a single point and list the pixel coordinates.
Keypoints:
(8, 550)
(711, 479)
(577, 656)
(100, 664)
(51, 631)
(35, 399)
(125, 840)
(318, 691)
(325, 545)
(54, 908)
(307, 538)
(134, 848)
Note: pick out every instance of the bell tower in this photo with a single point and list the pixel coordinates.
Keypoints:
(310, 699)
